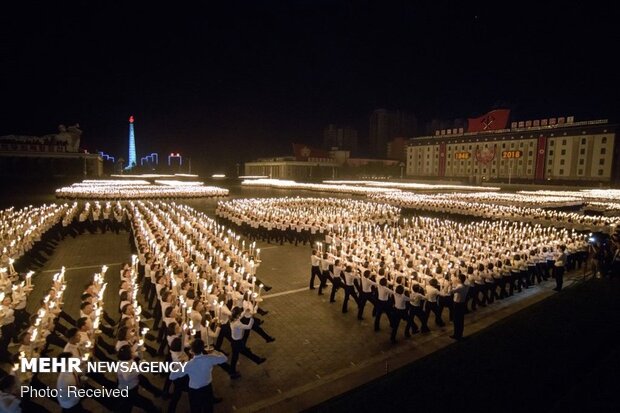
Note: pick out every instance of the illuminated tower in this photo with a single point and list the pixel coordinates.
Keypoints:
(132, 145)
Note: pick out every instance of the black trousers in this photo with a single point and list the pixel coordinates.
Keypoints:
(558, 274)
(349, 291)
(380, 308)
(361, 303)
(336, 284)
(201, 400)
(135, 399)
(314, 272)
(224, 334)
(459, 319)
(433, 308)
(238, 347)
(180, 385)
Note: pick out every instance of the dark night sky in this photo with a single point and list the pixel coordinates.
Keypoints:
(235, 80)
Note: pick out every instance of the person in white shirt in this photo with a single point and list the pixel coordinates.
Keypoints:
(199, 369)
(432, 296)
(315, 271)
(237, 329)
(9, 402)
(460, 305)
(131, 380)
(69, 401)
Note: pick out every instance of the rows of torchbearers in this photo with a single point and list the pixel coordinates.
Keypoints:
(445, 204)
(123, 190)
(192, 281)
(418, 268)
(301, 219)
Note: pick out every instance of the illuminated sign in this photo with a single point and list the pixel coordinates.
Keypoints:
(512, 154)
(462, 155)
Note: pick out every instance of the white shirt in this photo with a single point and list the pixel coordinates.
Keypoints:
(237, 328)
(65, 399)
(200, 367)
(9, 403)
(129, 379)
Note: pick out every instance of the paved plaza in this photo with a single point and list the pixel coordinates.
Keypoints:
(318, 353)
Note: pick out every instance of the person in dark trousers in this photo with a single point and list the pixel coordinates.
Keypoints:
(460, 302)
(199, 369)
(237, 328)
(315, 270)
(558, 268)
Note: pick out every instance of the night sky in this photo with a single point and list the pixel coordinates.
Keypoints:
(235, 80)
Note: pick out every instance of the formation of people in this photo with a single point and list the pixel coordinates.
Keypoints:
(332, 188)
(424, 265)
(296, 219)
(444, 204)
(123, 190)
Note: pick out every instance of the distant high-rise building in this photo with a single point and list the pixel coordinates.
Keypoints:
(340, 137)
(131, 161)
(386, 125)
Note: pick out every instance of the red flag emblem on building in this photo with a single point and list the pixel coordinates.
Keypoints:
(494, 120)
(303, 152)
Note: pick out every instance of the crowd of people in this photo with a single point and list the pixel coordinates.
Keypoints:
(444, 204)
(123, 190)
(424, 265)
(21, 228)
(192, 293)
(332, 188)
(296, 219)
(414, 186)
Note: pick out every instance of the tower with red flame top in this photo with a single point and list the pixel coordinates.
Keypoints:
(132, 145)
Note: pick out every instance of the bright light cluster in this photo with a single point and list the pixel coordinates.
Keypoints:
(612, 195)
(441, 203)
(305, 214)
(221, 263)
(423, 248)
(415, 186)
(121, 189)
(288, 184)
(43, 325)
(503, 198)
(20, 229)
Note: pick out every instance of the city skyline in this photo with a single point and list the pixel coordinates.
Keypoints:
(264, 76)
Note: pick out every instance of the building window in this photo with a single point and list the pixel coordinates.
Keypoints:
(550, 153)
(581, 161)
(583, 141)
(604, 140)
(563, 152)
(580, 172)
(503, 145)
(530, 153)
(561, 161)
(603, 151)
(529, 162)
(550, 162)
(563, 141)
(561, 171)
(529, 171)
(512, 144)
(521, 145)
(600, 172)
(582, 151)
(601, 161)
(551, 142)
(531, 144)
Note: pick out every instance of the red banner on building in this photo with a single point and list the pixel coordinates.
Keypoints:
(541, 152)
(442, 159)
(303, 152)
(494, 120)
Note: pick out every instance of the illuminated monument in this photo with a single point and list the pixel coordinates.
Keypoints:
(131, 162)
